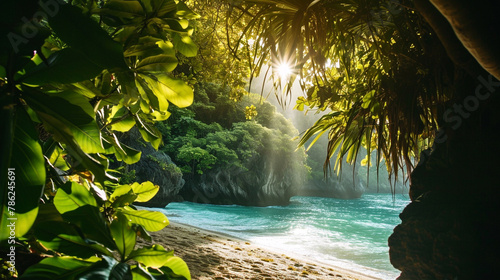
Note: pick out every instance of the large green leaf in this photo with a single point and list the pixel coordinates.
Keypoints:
(145, 191)
(107, 269)
(175, 90)
(121, 12)
(174, 269)
(149, 46)
(64, 66)
(85, 35)
(184, 11)
(59, 114)
(128, 155)
(163, 7)
(121, 151)
(149, 132)
(76, 99)
(123, 235)
(153, 256)
(157, 102)
(64, 238)
(185, 45)
(150, 220)
(57, 268)
(123, 191)
(120, 118)
(23, 172)
(157, 64)
(177, 266)
(71, 196)
(140, 273)
(92, 223)
(78, 206)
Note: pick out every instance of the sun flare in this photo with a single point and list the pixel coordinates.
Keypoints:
(284, 71)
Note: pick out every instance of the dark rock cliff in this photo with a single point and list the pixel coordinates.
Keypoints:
(268, 182)
(156, 167)
(450, 229)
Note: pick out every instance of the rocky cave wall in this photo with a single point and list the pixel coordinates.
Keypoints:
(450, 229)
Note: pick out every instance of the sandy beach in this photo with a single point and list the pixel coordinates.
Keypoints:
(211, 255)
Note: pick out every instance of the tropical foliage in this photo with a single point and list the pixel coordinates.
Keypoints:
(375, 67)
(71, 77)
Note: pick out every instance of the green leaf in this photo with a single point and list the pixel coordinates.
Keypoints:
(157, 64)
(121, 119)
(64, 66)
(3, 72)
(121, 151)
(23, 171)
(157, 102)
(150, 46)
(120, 191)
(58, 114)
(174, 268)
(149, 132)
(64, 238)
(88, 89)
(57, 268)
(78, 206)
(47, 212)
(145, 191)
(85, 35)
(150, 220)
(184, 11)
(119, 12)
(123, 235)
(92, 223)
(72, 196)
(76, 99)
(177, 25)
(175, 90)
(140, 273)
(129, 155)
(178, 267)
(124, 124)
(163, 7)
(185, 45)
(107, 269)
(153, 256)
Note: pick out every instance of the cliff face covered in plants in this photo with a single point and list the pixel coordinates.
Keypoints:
(226, 158)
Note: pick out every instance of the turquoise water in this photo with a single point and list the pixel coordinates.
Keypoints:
(348, 233)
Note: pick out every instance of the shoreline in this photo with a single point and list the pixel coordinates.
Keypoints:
(215, 255)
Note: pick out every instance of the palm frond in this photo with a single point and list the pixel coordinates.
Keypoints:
(366, 62)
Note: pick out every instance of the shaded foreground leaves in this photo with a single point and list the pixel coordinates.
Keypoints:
(88, 72)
